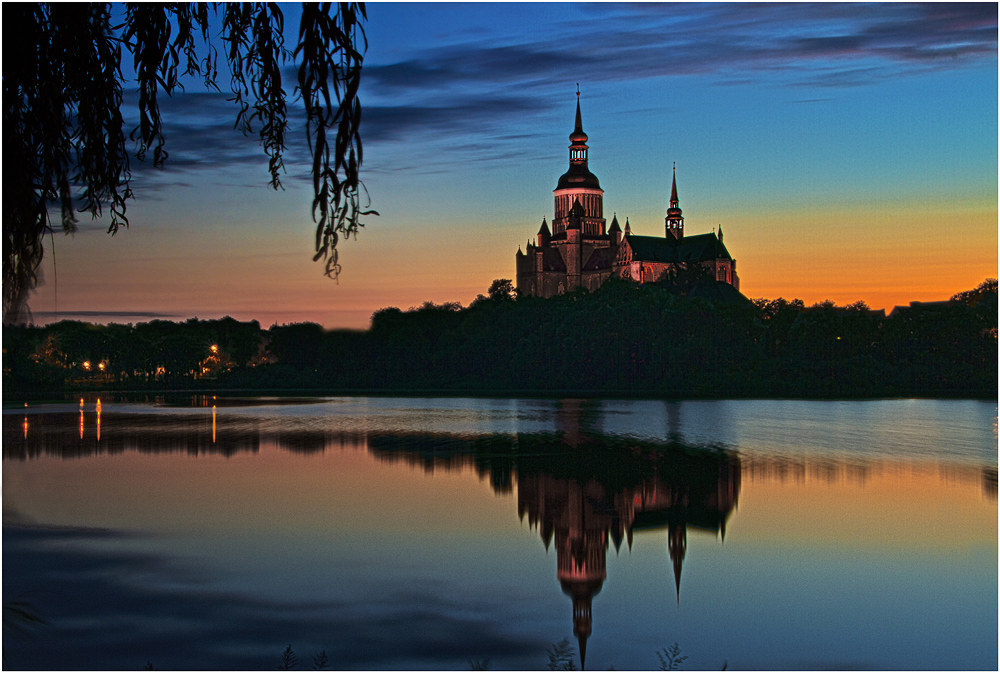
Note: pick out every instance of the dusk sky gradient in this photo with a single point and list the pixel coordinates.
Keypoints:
(849, 151)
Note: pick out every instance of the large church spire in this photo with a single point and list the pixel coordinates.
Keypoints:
(578, 184)
(578, 139)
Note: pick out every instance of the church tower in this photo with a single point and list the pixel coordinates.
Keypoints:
(579, 185)
(674, 219)
(577, 249)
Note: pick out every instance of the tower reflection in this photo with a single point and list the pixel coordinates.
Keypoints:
(584, 491)
(642, 486)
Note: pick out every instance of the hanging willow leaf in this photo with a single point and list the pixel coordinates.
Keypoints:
(65, 144)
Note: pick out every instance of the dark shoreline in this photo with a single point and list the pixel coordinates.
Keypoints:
(622, 341)
(230, 394)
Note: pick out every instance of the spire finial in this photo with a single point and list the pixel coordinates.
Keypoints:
(578, 137)
(673, 189)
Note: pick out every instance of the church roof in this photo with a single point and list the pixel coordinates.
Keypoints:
(600, 260)
(699, 248)
(552, 260)
(578, 176)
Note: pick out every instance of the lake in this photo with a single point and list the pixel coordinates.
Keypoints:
(412, 533)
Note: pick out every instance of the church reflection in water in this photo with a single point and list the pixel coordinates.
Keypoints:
(683, 490)
(582, 490)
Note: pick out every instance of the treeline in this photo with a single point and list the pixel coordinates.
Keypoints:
(624, 339)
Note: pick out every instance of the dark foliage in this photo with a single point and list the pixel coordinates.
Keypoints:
(20, 617)
(671, 658)
(502, 289)
(624, 339)
(64, 136)
(320, 662)
(562, 656)
(289, 660)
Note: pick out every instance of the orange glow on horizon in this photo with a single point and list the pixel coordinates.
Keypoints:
(131, 489)
(890, 505)
(886, 257)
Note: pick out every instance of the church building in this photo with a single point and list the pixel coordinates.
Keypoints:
(581, 251)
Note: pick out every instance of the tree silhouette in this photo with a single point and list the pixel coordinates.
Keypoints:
(64, 134)
(502, 289)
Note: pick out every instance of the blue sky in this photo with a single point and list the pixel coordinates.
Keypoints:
(849, 151)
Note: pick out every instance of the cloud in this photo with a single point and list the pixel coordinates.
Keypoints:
(200, 134)
(48, 316)
(639, 41)
(481, 86)
(461, 115)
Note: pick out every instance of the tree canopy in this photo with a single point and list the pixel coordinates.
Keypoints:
(65, 141)
(624, 339)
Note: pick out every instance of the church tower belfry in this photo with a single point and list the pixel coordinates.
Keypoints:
(675, 219)
(578, 139)
(578, 184)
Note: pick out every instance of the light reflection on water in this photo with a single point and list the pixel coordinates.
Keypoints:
(422, 533)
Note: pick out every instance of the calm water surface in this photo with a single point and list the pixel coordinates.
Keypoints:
(437, 533)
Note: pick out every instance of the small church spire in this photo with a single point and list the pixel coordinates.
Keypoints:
(673, 190)
(544, 235)
(677, 546)
(675, 218)
(578, 148)
(579, 118)
(576, 215)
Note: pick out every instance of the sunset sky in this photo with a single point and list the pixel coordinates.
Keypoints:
(848, 151)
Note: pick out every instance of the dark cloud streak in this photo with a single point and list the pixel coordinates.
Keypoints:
(652, 40)
(483, 87)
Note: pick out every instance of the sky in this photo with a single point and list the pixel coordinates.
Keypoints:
(848, 151)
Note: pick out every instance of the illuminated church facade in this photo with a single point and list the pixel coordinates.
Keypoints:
(580, 250)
